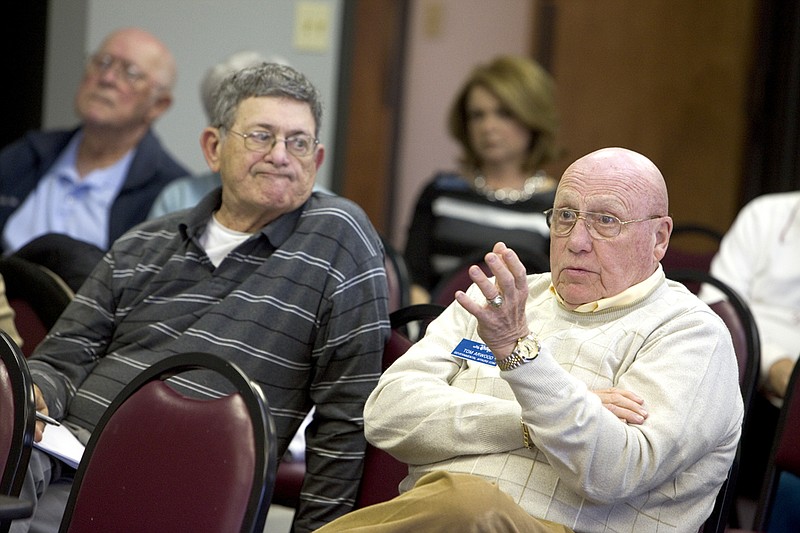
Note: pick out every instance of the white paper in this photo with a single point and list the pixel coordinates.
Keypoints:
(59, 442)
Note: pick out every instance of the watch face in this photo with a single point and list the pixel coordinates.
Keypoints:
(528, 349)
(525, 350)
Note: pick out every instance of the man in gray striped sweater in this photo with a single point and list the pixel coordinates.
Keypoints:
(287, 283)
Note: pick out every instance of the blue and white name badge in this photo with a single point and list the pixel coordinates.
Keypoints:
(474, 351)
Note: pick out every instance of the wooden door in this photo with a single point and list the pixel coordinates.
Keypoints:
(667, 78)
(372, 60)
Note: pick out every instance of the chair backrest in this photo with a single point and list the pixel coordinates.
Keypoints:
(289, 482)
(737, 316)
(37, 296)
(72, 260)
(17, 416)
(382, 472)
(691, 246)
(785, 454)
(408, 323)
(161, 461)
(397, 277)
(411, 321)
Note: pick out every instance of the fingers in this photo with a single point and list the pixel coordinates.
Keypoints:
(624, 404)
(626, 415)
(479, 278)
(507, 269)
(622, 394)
(501, 324)
(40, 405)
(506, 266)
(499, 247)
(472, 307)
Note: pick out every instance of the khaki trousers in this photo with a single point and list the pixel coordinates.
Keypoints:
(445, 502)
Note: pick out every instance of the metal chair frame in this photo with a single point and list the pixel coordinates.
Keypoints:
(100, 492)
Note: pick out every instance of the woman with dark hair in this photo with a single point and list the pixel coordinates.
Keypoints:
(505, 120)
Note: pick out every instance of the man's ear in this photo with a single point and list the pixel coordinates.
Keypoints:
(319, 156)
(663, 232)
(163, 101)
(211, 144)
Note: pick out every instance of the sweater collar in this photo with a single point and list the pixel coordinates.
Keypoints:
(628, 296)
(276, 232)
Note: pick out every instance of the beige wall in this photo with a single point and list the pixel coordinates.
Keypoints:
(668, 78)
(200, 33)
(446, 39)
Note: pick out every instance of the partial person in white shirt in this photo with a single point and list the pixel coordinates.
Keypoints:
(759, 257)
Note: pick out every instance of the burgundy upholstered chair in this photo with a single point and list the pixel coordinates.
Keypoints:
(785, 454)
(736, 314)
(382, 472)
(37, 295)
(162, 461)
(17, 423)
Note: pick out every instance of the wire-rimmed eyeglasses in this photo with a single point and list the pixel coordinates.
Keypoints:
(299, 144)
(600, 225)
(128, 72)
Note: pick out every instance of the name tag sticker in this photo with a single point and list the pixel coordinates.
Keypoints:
(474, 351)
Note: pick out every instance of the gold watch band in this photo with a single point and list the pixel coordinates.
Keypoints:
(526, 436)
(526, 349)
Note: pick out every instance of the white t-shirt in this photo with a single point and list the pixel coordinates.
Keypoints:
(218, 241)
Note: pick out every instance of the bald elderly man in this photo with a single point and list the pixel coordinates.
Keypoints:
(597, 397)
(99, 179)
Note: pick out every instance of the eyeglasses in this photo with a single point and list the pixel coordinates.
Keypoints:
(299, 145)
(599, 225)
(128, 72)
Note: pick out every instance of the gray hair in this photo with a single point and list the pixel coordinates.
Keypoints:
(235, 62)
(267, 79)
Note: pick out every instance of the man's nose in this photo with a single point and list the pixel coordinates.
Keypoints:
(580, 236)
(112, 74)
(278, 153)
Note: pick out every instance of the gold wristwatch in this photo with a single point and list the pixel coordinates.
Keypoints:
(526, 350)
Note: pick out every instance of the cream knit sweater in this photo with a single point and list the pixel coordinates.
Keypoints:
(587, 470)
